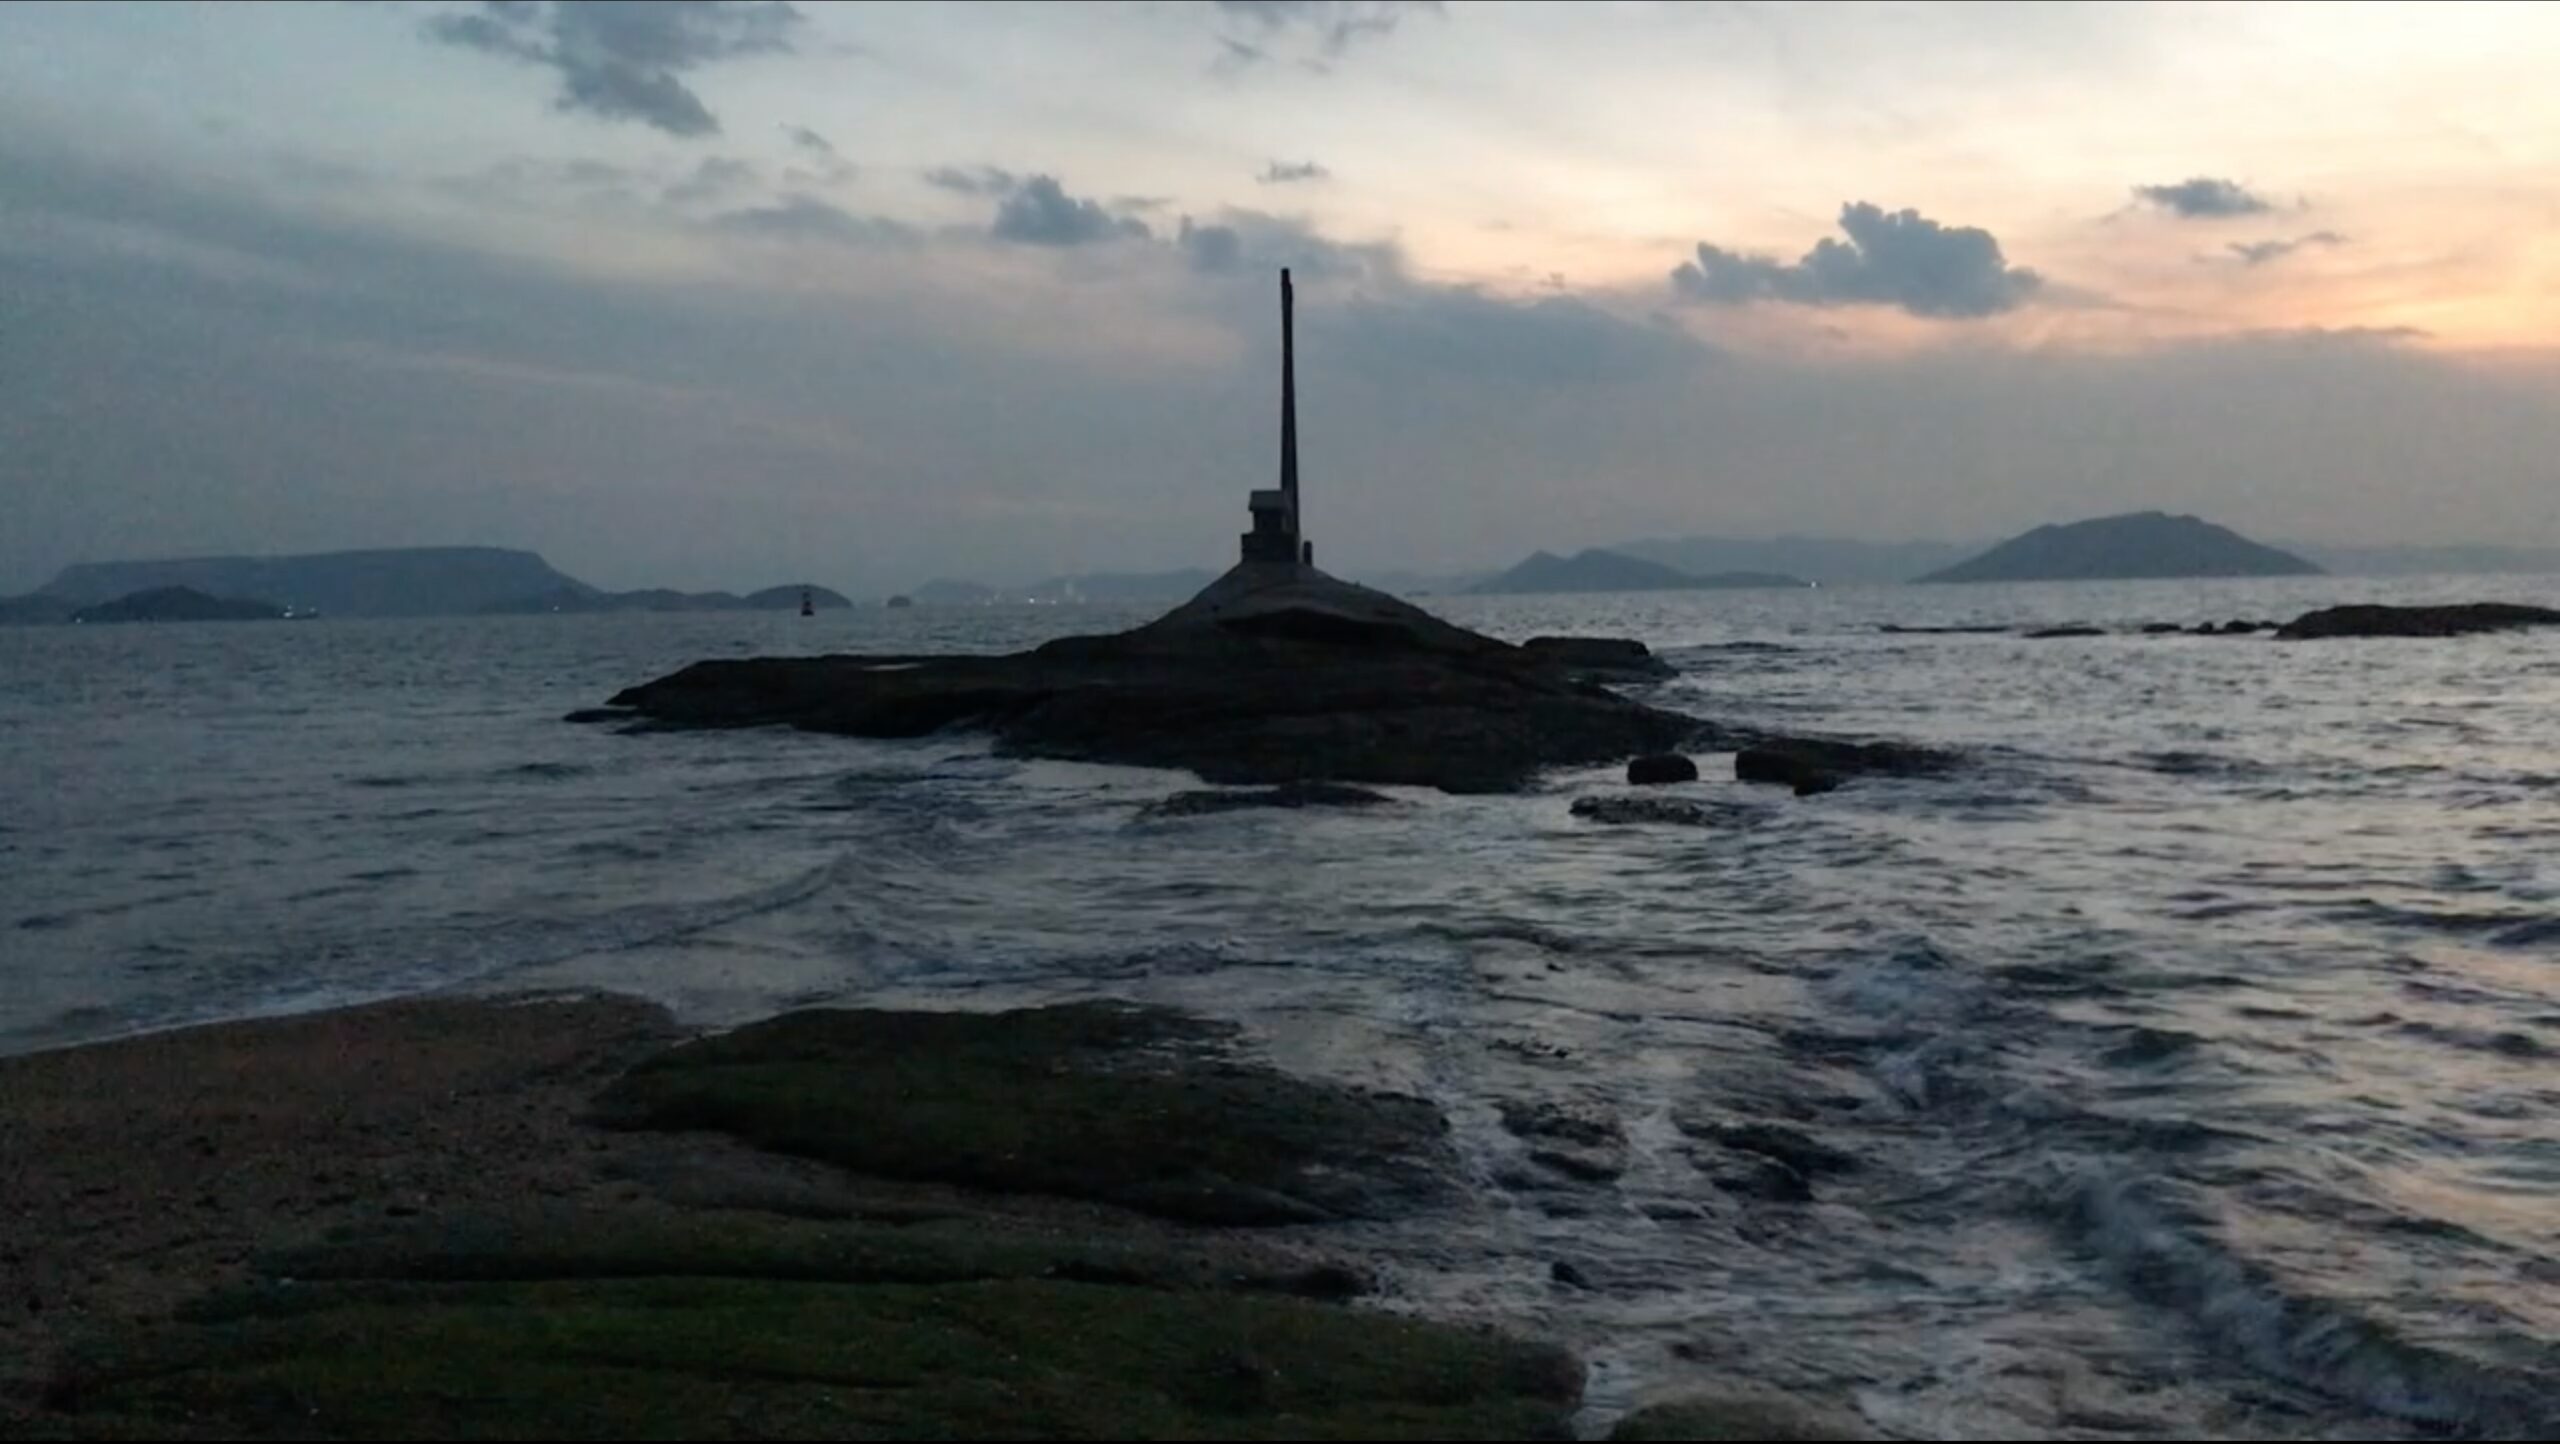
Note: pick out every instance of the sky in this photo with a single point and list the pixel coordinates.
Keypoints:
(718, 295)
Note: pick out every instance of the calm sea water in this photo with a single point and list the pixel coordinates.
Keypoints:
(2198, 1045)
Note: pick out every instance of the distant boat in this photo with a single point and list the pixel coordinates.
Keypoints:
(808, 607)
(901, 603)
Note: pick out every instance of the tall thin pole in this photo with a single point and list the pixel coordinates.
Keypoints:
(1289, 402)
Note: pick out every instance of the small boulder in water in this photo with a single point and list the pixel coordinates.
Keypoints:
(1661, 767)
(1678, 812)
(2160, 629)
(602, 714)
(1811, 765)
(1288, 794)
(2074, 630)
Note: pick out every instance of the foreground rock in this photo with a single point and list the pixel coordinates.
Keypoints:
(2448, 621)
(1812, 765)
(1275, 673)
(1131, 1106)
(1673, 811)
(649, 1284)
(1601, 659)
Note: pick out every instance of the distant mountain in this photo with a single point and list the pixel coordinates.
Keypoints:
(178, 604)
(2432, 561)
(662, 599)
(403, 582)
(1606, 571)
(1421, 584)
(35, 607)
(2137, 545)
(1832, 561)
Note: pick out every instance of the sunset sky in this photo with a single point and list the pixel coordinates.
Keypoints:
(715, 295)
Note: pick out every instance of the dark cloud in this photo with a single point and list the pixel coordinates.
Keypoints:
(1325, 29)
(620, 59)
(1285, 172)
(715, 177)
(1039, 212)
(2259, 253)
(809, 140)
(2204, 198)
(1897, 258)
(806, 218)
(1466, 334)
(973, 180)
(1241, 240)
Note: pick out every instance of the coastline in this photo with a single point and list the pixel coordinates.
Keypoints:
(400, 1148)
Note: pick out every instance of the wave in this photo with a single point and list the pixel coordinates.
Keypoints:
(2167, 1256)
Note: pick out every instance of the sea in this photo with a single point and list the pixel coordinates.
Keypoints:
(2194, 1049)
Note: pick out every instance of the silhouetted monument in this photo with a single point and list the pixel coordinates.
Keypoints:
(1276, 536)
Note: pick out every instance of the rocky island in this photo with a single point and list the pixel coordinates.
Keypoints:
(2138, 545)
(1598, 570)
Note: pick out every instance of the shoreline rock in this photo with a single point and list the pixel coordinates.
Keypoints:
(1288, 795)
(1814, 765)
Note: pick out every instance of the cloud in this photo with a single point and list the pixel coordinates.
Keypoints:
(806, 218)
(1324, 29)
(2259, 253)
(2204, 198)
(973, 180)
(620, 59)
(809, 140)
(1468, 335)
(714, 177)
(1898, 258)
(1241, 240)
(1279, 173)
(1039, 212)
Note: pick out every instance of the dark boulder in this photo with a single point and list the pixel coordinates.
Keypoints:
(2446, 621)
(1795, 1149)
(2070, 631)
(587, 715)
(1765, 1179)
(2160, 629)
(1661, 767)
(1811, 765)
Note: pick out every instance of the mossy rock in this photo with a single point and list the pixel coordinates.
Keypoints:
(692, 1358)
(1133, 1106)
(1736, 1417)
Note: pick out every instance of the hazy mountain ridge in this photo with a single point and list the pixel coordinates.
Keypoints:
(2136, 545)
(1830, 561)
(1599, 570)
(391, 582)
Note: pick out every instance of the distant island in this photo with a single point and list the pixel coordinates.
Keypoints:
(179, 604)
(1607, 571)
(393, 582)
(1827, 561)
(2139, 545)
(784, 598)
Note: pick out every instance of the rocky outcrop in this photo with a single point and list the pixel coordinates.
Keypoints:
(1661, 767)
(2447, 621)
(1276, 673)
(1670, 811)
(1811, 765)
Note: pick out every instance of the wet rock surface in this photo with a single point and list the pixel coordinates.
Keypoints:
(1274, 674)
